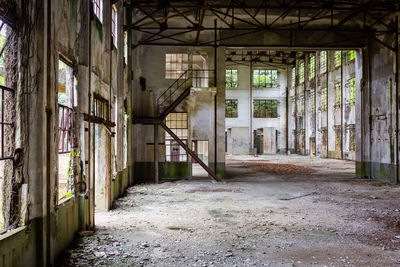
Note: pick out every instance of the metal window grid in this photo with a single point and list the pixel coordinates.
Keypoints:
(265, 108)
(231, 78)
(176, 65)
(265, 78)
(65, 128)
(98, 8)
(231, 108)
(6, 125)
(178, 123)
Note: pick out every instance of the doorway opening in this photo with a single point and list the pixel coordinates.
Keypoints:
(200, 147)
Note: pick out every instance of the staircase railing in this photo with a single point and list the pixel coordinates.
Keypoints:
(176, 88)
(188, 79)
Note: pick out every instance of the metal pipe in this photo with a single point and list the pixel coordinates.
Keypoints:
(304, 101)
(341, 107)
(295, 112)
(215, 99)
(251, 105)
(48, 137)
(156, 178)
(109, 137)
(397, 98)
(370, 102)
(315, 104)
(287, 109)
(362, 92)
(327, 109)
(89, 180)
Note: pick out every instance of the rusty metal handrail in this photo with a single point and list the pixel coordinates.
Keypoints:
(187, 79)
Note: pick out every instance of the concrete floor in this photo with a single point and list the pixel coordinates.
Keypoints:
(273, 210)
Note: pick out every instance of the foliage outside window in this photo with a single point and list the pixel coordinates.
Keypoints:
(322, 62)
(265, 108)
(98, 9)
(311, 67)
(352, 91)
(231, 79)
(301, 72)
(231, 108)
(324, 99)
(265, 78)
(338, 58)
(66, 85)
(176, 65)
(312, 101)
(293, 77)
(351, 55)
(338, 94)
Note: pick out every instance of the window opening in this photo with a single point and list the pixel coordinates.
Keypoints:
(178, 123)
(265, 78)
(265, 108)
(231, 108)
(176, 65)
(231, 79)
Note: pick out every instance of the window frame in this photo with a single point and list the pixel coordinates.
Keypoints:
(181, 130)
(114, 25)
(301, 72)
(311, 67)
(231, 82)
(293, 77)
(271, 74)
(98, 9)
(274, 103)
(338, 58)
(323, 59)
(352, 88)
(229, 103)
(181, 67)
(324, 99)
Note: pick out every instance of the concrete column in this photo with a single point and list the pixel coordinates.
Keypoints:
(218, 162)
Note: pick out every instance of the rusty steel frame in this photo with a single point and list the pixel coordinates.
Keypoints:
(371, 13)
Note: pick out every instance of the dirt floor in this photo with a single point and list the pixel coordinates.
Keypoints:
(272, 211)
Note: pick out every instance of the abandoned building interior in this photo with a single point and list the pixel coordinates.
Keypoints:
(199, 133)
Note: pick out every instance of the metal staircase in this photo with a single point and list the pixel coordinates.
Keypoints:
(170, 99)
